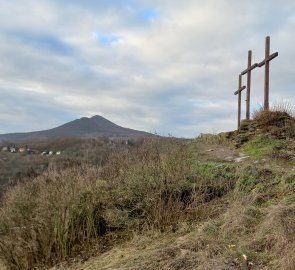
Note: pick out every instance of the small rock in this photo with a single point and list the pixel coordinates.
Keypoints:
(240, 159)
(184, 252)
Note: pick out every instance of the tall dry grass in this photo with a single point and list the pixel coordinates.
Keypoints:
(150, 182)
(282, 107)
(286, 106)
(154, 186)
(60, 213)
(46, 220)
(278, 120)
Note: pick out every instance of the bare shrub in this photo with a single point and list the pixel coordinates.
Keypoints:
(149, 181)
(219, 139)
(278, 111)
(278, 120)
(45, 220)
(286, 106)
(60, 213)
(283, 106)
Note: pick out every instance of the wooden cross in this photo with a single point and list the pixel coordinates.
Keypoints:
(239, 93)
(248, 72)
(266, 63)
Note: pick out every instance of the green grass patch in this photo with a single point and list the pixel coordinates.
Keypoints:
(262, 146)
(249, 178)
(215, 170)
(212, 179)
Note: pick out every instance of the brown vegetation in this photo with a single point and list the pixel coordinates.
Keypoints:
(59, 213)
(21, 167)
(157, 205)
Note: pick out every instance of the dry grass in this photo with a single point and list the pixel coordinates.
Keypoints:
(45, 220)
(264, 234)
(156, 206)
(60, 213)
(276, 236)
(283, 106)
(277, 114)
(218, 139)
(188, 248)
(279, 121)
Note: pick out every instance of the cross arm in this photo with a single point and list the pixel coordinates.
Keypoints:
(249, 69)
(272, 56)
(240, 90)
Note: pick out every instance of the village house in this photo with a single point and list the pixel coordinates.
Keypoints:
(13, 150)
(27, 150)
(22, 150)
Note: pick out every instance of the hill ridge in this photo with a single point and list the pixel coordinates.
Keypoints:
(84, 127)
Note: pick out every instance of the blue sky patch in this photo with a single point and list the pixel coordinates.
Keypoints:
(150, 14)
(107, 39)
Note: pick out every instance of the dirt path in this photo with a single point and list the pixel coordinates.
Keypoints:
(218, 152)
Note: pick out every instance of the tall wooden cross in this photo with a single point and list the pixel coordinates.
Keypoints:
(239, 93)
(266, 63)
(248, 72)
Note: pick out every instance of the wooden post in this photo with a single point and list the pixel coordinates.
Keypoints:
(248, 72)
(239, 101)
(266, 63)
(239, 105)
(266, 75)
(239, 93)
(248, 86)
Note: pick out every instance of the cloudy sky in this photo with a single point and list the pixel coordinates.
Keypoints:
(168, 66)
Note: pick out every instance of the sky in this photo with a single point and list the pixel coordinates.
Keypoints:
(164, 66)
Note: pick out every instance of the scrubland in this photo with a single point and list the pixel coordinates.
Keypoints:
(165, 203)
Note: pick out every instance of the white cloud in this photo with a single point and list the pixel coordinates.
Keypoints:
(170, 66)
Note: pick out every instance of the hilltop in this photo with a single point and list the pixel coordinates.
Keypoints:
(96, 126)
(221, 201)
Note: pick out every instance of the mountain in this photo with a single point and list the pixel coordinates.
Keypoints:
(96, 126)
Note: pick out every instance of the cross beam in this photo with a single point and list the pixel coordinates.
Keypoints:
(240, 90)
(266, 63)
(249, 69)
(248, 72)
(239, 93)
(272, 56)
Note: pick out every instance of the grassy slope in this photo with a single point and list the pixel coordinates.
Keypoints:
(256, 219)
(239, 209)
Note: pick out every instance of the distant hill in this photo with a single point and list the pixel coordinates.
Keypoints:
(96, 126)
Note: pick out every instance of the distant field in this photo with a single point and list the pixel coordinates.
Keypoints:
(16, 167)
(13, 166)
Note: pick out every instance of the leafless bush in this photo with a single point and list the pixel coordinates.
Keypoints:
(58, 214)
(46, 220)
(284, 107)
(278, 120)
